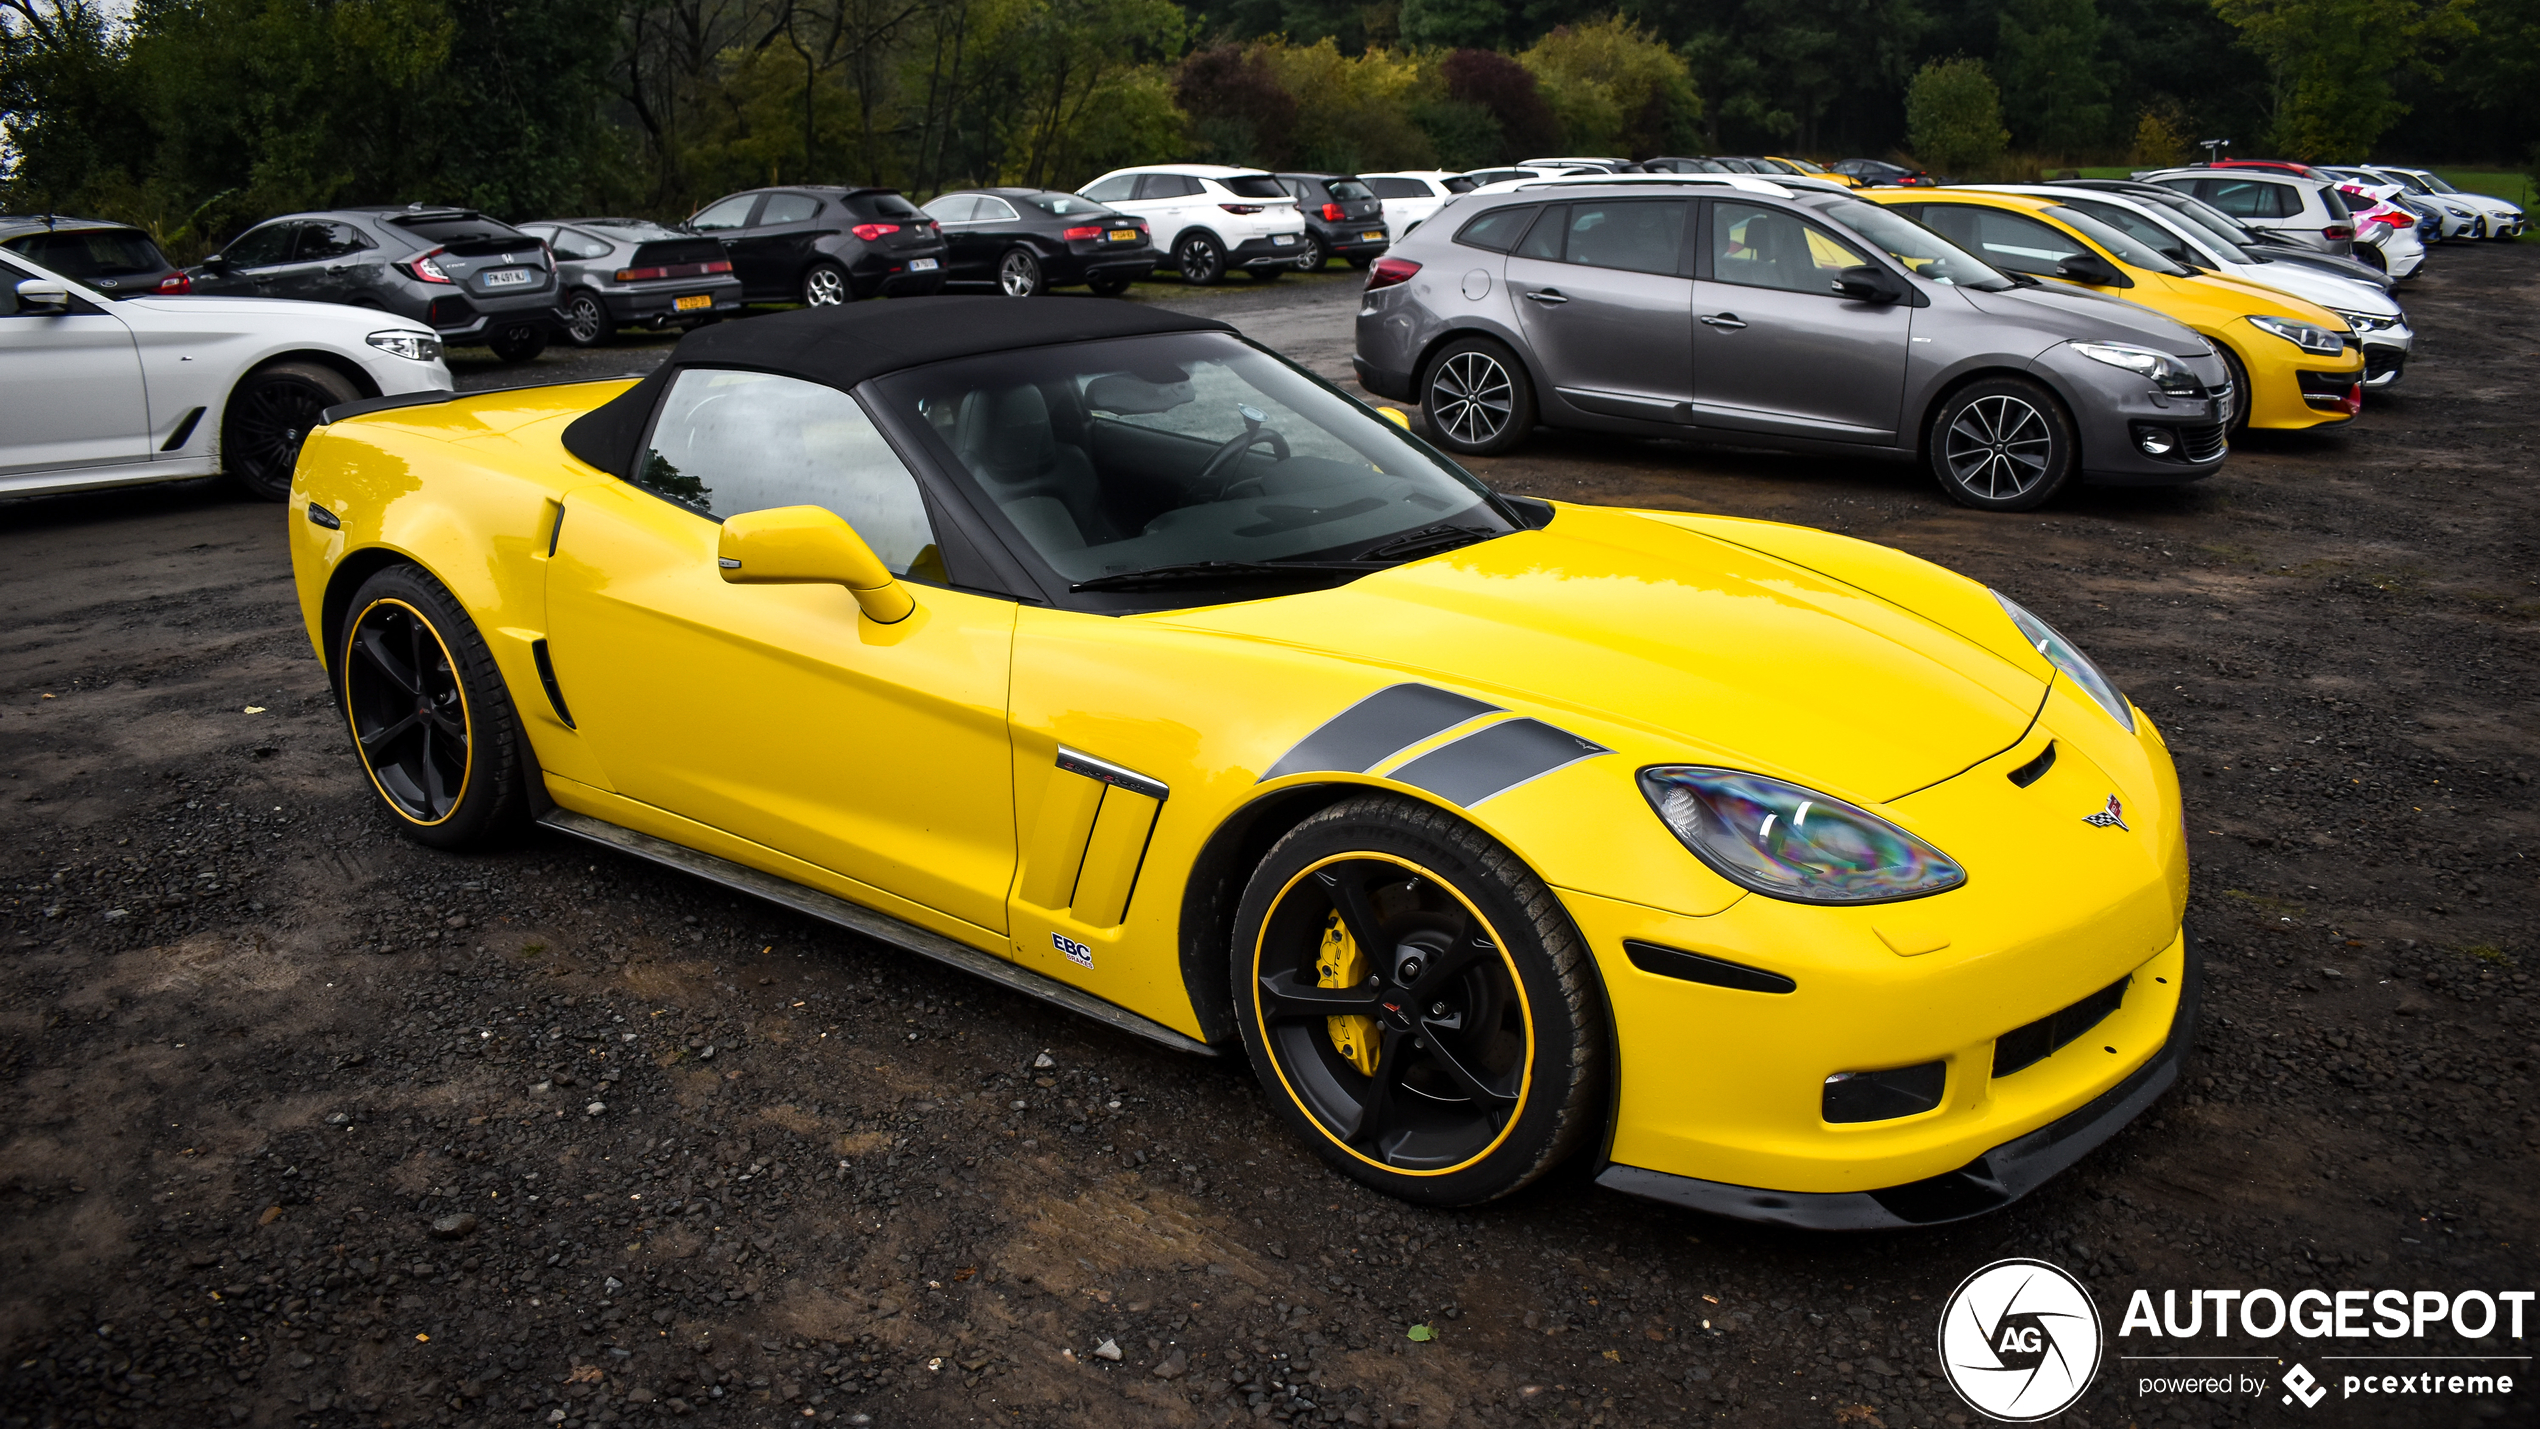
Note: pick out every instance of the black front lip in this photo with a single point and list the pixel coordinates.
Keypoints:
(1988, 1183)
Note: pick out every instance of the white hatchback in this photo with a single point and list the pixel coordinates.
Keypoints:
(1209, 219)
(1412, 196)
(96, 392)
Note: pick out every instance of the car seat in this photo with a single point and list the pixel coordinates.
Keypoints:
(1045, 486)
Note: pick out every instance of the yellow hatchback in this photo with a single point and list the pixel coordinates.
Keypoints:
(2295, 364)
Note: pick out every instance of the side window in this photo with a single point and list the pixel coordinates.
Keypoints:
(2241, 198)
(1167, 186)
(1114, 189)
(1758, 247)
(789, 208)
(260, 247)
(2010, 241)
(1497, 230)
(328, 240)
(953, 208)
(994, 210)
(1398, 188)
(10, 276)
(1544, 239)
(733, 212)
(1643, 237)
(578, 245)
(729, 442)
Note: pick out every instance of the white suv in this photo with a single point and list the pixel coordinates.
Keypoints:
(1209, 219)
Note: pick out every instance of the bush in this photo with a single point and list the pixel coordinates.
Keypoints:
(1953, 116)
(2156, 144)
(1506, 91)
(1615, 89)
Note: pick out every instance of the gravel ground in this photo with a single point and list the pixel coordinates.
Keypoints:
(308, 1126)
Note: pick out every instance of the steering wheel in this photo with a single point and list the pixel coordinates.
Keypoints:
(1252, 435)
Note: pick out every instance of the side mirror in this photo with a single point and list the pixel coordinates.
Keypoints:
(43, 295)
(2086, 268)
(810, 545)
(217, 262)
(1869, 283)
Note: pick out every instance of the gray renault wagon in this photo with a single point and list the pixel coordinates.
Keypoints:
(1737, 310)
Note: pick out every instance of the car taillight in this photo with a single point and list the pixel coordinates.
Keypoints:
(1241, 207)
(176, 283)
(1332, 213)
(870, 231)
(1090, 230)
(423, 270)
(2337, 232)
(641, 275)
(719, 265)
(1385, 272)
(674, 270)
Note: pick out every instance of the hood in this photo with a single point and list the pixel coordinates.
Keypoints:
(275, 311)
(2061, 312)
(2316, 285)
(1653, 637)
(2259, 298)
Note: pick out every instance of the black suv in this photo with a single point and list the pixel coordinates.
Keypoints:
(818, 245)
(475, 280)
(114, 258)
(1343, 219)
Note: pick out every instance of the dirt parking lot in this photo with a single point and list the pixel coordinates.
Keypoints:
(309, 1126)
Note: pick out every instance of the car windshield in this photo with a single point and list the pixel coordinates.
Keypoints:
(2124, 248)
(2438, 183)
(1347, 190)
(1137, 459)
(2217, 228)
(455, 228)
(93, 252)
(1064, 205)
(636, 231)
(1927, 253)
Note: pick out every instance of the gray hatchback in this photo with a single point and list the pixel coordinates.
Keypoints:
(1737, 310)
(627, 272)
(473, 279)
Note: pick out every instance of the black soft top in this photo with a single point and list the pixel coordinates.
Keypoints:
(842, 346)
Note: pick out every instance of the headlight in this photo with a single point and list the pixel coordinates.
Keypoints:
(1787, 842)
(415, 346)
(2064, 656)
(2302, 335)
(2367, 322)
(2166, 372)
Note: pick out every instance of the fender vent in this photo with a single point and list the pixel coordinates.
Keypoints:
(547, 677)
(2035, 769)
(184, 431)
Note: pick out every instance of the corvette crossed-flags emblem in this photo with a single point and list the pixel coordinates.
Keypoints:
(2111, 817)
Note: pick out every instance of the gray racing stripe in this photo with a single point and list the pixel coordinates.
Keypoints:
(1495, 760)
(1385, 723)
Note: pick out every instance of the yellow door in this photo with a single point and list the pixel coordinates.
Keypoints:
(779, 713)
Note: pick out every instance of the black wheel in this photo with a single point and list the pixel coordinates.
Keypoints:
(520, 342)
(267, 418)
(431, 721)
(1108, 287)
(2371, 258)
(826, 286)
(2236, 421)
(1315, 255)
(1477, 399)
(586, 320)
(1267, 272)
(1417, 1003)
(1202, 262)
(2002, 444)
(1019, 274)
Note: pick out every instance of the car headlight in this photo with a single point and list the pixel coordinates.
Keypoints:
(2166, 372)
(1788, 842)
(2065, 656)
(2367, 322)
(414, 346)
(2302, 335)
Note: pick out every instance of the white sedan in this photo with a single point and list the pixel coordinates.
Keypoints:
(97, 392)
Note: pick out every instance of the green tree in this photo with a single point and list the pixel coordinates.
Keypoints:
(1616, 89)
(2157, 144)
(1953, 116)
(2331, 65)
(1807, 75)
(2054, 80)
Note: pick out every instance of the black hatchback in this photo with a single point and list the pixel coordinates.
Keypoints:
(114, 258)
(1343, 219)
(820, 245)
(1028, 241)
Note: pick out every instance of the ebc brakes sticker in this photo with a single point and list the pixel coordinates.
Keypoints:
(1495, 760)
(1382, 725)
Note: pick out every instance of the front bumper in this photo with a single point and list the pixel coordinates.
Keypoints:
(1991, 1181)
(2114, 410)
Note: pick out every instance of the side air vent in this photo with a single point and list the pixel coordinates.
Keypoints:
(184, 431)
(2023, 1047)
(2035, 769)
(547, 677)
(1698, 967)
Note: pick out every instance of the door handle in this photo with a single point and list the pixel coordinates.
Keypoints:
(1725, 322)
(1549, 297)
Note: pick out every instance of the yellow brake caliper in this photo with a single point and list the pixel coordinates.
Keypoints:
(1340, 963)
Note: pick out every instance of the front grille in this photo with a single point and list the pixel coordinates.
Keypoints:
(2201, 443)
(2026, 1046)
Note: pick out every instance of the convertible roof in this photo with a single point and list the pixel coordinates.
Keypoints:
(842, 346)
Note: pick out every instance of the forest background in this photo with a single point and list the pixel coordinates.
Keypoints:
(195, 117)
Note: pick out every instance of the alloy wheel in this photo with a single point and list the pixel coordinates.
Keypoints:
(409, 716)
(825, 287)
(1391, 1010)
(584, 320)
(1471, 398)
(1999, 447)
(268, 422)
(1019, 275)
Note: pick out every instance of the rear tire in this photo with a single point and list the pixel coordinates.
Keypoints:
(1019, 274)
(1202, 262)
(2002, 444)
(586, 320)
(826, 286)
(269, 415)
(1476, 398)
(521, 342)
(431, 722)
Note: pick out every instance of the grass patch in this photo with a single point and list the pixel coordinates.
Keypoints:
(2490, 954)
(2266, 903)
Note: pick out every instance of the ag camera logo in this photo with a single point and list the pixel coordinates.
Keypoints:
(2019, 1340)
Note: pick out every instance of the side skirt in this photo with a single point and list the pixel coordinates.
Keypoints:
(880, 927)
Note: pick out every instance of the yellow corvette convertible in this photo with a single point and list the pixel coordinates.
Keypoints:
(1102, 653)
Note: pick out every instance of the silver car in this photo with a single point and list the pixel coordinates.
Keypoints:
(630, 272)
(1736, 310)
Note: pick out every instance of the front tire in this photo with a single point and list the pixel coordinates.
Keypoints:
(521, 342)
(431, 721)
(1417, 1003)
(269, 416)
(826, 286)
(1202, 262)
(2236, 425)
(2002, 444)
(1019, 274)
(586, 320)
(1476, 398)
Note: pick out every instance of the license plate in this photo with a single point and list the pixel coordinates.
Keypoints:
(692, 301)
(921, 265)
(1376, 237)
(506, 278)
(1282, 240)
(1123, 235)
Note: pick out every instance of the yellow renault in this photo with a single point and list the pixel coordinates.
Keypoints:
(2293, 364)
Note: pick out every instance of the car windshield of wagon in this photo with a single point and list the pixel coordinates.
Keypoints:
(1160, 453)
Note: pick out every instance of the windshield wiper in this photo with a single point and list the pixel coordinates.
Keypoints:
(1201, 572)
(1427, 541)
